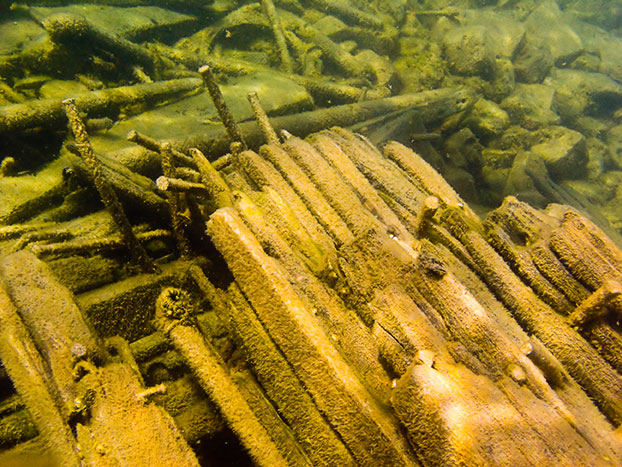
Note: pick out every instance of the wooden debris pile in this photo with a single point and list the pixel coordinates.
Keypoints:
(319, 301)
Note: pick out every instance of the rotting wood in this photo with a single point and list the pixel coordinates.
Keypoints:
(104, 187)
(277, 28)
(430, 105)
(175, 201)
(582, 361)
(262, 119)
(49, 113)
(27, 370)
(281, 384)
(343, 294)
(322, 90)
(596, 305)
(333, 388)
(348, 12)
(385, 332)
(67, 28)
(174, 320)
(221, 106)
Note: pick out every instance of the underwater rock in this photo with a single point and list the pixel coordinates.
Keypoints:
(464, 150)
(469, 51)
(498, 158)
(578, 93)
(612, 211)
(496, 181)
(597, 153)
(487, 119)
(590, 190)
(386, 76)
(503, 80)
(564, 152)
(586, 62)
(530, 106)
(520, 181)
(547, 24)
(533, 62)
(603, 48)
(614, 142)
(609, 182)
(421, 64)
(604, 13)
(591, 126)
(611, 58)
(463, 182)
(506, 33)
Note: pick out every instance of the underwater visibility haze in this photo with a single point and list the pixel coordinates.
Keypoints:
(310, 232)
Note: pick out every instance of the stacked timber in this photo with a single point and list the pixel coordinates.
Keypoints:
(319, 301)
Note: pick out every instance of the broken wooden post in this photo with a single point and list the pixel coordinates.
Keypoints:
(104, 188)
(221, 106)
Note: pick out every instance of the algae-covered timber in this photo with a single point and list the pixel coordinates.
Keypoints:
(183, 285)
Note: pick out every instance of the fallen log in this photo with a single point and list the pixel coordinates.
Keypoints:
(74, 29)
(430, 105)
(49, 113)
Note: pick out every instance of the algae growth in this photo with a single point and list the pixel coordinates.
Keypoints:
(310, 232)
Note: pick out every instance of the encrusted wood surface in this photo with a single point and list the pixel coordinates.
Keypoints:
(356, 312)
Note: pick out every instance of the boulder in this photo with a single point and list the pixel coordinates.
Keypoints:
(464, 150)
(533, 62)
(463, 182)
(613, 209)
(506, 33)
(469, 51)
(611, 58)
(564, 151)
(420, 65)
(514, 138)
(609, 182)
(590, 190)
(383, 70)
(547, 24)
(498, 158)
(604, 13)
(598, 154)
(591, 126)
(579, 93)
(496, 181)
(503, 81)
(487, 119)
(530, 106)
(520, 182)
(586, 62)
(614, 143)
(603, 48)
